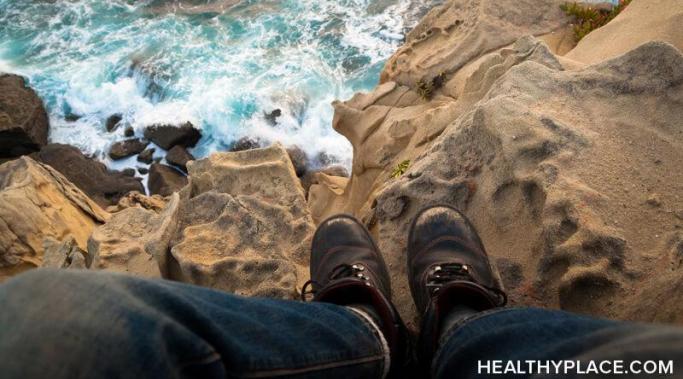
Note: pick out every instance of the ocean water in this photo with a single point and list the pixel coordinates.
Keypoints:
(220, 64)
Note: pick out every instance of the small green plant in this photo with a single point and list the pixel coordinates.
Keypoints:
(589, 18)
(400, 169)
(427, 88)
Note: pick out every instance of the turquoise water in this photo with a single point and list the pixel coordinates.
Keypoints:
(219, 66)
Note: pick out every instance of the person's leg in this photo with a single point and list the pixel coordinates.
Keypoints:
(488, 344)
(71, 324)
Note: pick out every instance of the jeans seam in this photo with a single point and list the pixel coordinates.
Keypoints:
(206, 359)
(305, 369)
(446, 337)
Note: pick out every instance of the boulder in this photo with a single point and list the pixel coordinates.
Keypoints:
(90, 176)
(129, 131)
(24, 123)
(37, 205)
(245, 225)
(135, 241)
(245, 143)
(64, 254)
(167, 136)
(127, 148)
(178, 156)
(146, 156)
(136, 199)
(311, 177)
(113, 122)
(164, 180)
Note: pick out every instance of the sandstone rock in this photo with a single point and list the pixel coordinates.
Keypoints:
(135, 241)
(179, 157)
(23, 121)
(245, 225)
(113, 122)
(146, 156)
(136, 199)
(459, 31)
(310, 178)
(37, 203)
(164, 180)
(540, 153)
(127, 148)
(90, 176)
(167, 136)
(64, 254)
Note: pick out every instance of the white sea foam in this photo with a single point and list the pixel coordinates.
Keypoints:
(221, 72)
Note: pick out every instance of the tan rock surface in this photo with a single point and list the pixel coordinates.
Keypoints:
(640, 22)
(38, 204)
(570, 172)
(135, 240)
(245, 225)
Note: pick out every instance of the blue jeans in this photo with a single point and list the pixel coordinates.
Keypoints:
(70, 324)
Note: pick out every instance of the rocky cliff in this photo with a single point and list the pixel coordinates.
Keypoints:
(566, 158)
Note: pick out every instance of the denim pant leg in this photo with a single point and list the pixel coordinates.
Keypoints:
(521, 334)
(77, 324)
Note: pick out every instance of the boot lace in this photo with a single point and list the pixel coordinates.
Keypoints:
(448, 272)
(341, 271)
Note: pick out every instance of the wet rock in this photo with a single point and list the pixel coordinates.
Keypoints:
(271, 117)
(147, 156)
(165, 180)
(129, 132)
(70, 117)
(178, 156)
(89, 175)
(299, 160)
(113, 122)
(245, 143)
(24, 123)
(167, 136)
(128, 172)
(38, 203)
(143, 170)
(127, 148)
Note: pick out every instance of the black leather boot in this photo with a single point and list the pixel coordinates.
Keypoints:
(448, 270)
(348, 269)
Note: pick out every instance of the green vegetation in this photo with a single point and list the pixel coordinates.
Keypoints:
(589, 18)
(400, 168)
(426, 89)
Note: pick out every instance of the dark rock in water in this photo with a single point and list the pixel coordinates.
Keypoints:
(324, 160)
(271, 117)
(245, 143)
(92, 177)
(124, 149)
(113, 122)
(129, 172)
(164, 180)
(167, 136)
(299, 160)
(147, 156)
(70, 117)
(24, 123)
(129, 132)
(179, 157)
(143, 170)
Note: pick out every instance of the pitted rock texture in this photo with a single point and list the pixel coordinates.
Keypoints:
(556, 167)
(244, 226)
(39, 206)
